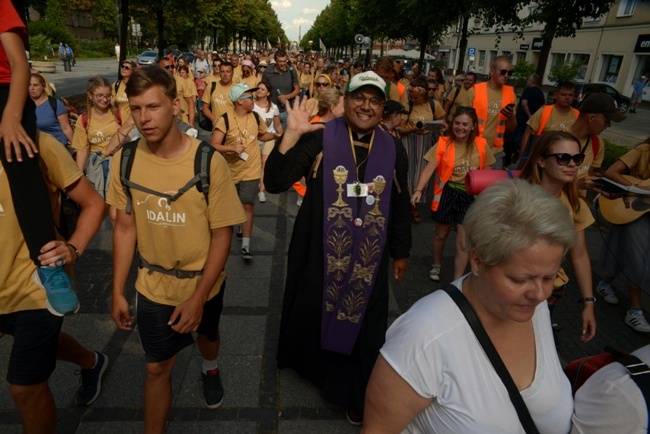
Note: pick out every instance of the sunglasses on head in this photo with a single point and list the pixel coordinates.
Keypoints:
(564, 158)
(505, 72)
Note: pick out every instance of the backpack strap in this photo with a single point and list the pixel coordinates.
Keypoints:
(257, 118)
(52, 102)
(126, 164)
(202, 161)
(84, 120)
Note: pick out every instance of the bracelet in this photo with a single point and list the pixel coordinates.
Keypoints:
(417, 190)
(587, 300)
(76, 251)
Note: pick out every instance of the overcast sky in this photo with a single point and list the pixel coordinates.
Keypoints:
(297, 13)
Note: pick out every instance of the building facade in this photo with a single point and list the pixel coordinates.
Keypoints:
(613, 49)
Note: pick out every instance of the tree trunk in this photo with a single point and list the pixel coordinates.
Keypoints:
(462, 48)
(547, 39)
(124, 29)
(424, 41)
(160, 21)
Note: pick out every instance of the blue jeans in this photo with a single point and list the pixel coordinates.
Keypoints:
(283, 120)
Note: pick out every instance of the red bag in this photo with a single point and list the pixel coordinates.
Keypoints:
(579, 370)
(478, 180)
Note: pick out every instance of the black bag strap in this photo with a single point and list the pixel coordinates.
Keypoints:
(126, 164)
(202, 161)
(52, 102)
(483, 338)
(640, 373)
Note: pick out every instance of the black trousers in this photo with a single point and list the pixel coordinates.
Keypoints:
(29, 193)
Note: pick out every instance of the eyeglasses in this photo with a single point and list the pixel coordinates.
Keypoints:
(505, 72)
(102, 96)
(359, 100)
(465, 109)
(127, 67)
(563, 158)
(321, 84)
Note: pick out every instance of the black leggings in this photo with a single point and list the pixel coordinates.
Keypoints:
(29, 192)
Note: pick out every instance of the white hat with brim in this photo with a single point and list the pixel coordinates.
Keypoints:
(367, 78)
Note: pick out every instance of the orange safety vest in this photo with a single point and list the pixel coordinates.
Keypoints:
(481, 107)
(446, 156)
(400, 89)
(546, 115)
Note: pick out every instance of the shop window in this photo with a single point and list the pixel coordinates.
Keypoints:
(611, 68)
(583, 61)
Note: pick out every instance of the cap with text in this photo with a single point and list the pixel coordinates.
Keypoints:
(367, 78)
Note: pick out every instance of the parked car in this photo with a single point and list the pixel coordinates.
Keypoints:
(147, 58)
(583, 90)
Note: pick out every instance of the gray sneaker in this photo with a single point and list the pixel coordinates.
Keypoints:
(606, 291)
(212, 389)
(637, 321)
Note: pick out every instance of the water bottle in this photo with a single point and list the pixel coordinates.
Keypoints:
(280, 103)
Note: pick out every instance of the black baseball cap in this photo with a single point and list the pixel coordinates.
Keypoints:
(603, 104)
(392, 107)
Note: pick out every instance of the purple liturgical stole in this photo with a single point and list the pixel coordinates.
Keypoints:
(355, 230)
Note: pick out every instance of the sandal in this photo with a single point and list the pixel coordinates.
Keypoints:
(434, 274)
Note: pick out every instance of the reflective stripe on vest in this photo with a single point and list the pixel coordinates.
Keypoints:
(446, 155)
(481, 107)
(546, 115)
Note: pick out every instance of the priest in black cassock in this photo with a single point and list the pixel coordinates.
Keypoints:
(355, 215)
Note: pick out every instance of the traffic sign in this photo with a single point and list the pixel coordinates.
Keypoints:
(471, 52)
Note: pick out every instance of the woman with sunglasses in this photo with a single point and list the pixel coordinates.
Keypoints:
(627, 247)
(120, 100)
(554, 164)
(322, 82)
(416, 138)
(449, 161)
(99, 134)
(306, 80)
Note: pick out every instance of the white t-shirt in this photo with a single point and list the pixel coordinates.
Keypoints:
(611, 402)
(433, 348)
(267, 117)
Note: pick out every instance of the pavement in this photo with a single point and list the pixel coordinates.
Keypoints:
(258, 397)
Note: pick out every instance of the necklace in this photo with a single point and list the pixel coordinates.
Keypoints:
(241, 132)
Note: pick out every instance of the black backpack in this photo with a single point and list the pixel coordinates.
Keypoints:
(201, 178)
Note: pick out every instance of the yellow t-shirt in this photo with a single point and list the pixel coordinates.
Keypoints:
(121, 100)
(558, 121)
(394, 95)
(219, 100)
(422, 113)
(17, 290)
(494, 107)
(251, 81)
(184, 88)
(581, 221)
(175, 235)
(590, 159)
(465, 98)
(237, 74)
(465, 159)
(243, 130)
(638, 161)
(306, 80)
(100, 131)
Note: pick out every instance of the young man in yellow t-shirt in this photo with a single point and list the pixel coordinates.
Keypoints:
(217, 102)
(185, 95)
(26, 312)
(182, 244)
(237, 140)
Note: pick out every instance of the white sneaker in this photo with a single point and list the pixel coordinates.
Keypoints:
(434, 274)
(261, 197)
(299, 201)
(607, 292)
(637, 321)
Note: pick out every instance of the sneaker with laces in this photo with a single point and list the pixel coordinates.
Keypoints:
(434, 274)
(61, 298)
(246, 254)
(355, 419)
(91, 381)
(637, 321)
(606, 291)
(212, 389)
(261, 197)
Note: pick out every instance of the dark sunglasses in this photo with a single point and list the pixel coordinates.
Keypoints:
(169, 67)
(322, 84)
(505, 72)
(125, 66)
(262, 67)
(563, 158)
(465, 109)
(432, 89)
